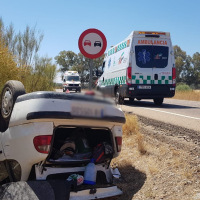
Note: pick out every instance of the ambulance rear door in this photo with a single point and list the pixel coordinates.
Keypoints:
(162, 61)
(142, 73)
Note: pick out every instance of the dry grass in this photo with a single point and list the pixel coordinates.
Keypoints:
(131, 127)
(164, 172)
(188, 95)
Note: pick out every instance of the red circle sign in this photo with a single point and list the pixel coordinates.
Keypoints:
(92, 43)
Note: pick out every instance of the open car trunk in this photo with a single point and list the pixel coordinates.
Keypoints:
(84, 139)
(61, 168)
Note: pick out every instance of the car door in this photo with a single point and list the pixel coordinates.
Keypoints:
(142, 61)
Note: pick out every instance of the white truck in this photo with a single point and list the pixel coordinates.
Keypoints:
(71, 81)
(142, 66)
(34, 125)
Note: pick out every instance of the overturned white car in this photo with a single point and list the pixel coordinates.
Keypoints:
(49, 136)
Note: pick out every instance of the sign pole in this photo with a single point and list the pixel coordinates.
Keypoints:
(91, 67)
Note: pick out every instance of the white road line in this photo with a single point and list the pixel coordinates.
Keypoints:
(171, 113)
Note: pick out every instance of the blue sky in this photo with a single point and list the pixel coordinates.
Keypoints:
(62, 21)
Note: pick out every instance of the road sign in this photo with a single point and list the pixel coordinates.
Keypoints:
(92, 43)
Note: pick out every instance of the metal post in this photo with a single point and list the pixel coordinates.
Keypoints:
(91, 67)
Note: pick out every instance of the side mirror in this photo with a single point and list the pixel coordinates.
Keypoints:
(64, 80)
(98, 73)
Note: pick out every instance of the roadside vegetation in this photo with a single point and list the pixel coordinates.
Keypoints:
(187, 68)
(186, 92)
(19, 59)
(192, 95)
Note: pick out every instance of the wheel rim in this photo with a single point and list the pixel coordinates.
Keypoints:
(117, 97)
(7, 102)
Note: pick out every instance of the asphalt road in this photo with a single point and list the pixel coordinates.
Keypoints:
(177, 112)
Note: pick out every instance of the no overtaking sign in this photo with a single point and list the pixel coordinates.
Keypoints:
(92, 43)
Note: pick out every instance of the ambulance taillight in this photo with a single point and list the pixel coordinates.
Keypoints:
(174, 76)
(129, 75)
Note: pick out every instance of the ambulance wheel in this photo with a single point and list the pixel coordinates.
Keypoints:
(12, 89)
(131, 100)
(158, 101)
(118, 98)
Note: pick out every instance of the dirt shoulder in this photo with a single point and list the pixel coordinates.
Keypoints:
(170, 169)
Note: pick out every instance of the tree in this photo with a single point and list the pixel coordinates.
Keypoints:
(24, 45)
(19, 59)
(8, 67)
(66, 59)
(42, 75)
(196, 66)
(180, 57)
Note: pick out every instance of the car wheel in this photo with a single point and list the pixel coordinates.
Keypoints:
(3, 123)
(118, 98)
(12, 89)
(158, 101)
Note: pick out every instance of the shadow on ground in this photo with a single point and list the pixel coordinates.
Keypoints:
(132, 181)
(150, 104)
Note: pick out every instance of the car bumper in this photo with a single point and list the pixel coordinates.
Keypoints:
(154, 91)
(72, 88)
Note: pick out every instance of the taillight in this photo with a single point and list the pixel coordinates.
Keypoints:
(118, 141)
(42, 143)
(129, 76)
(174, 76)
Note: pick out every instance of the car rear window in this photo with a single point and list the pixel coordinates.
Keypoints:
(151, 56)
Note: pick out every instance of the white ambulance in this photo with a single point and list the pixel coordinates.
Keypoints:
(142, 66)
(71, 81)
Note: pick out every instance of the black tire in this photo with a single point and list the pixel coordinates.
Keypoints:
(80, 90)
(158, 101)
(3, 123)
(131, 100)
(14, 170)
(12, 89)
(118, 98)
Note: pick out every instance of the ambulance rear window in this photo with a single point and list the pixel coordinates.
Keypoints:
(160, 56)
(151, 56)
(143, 56)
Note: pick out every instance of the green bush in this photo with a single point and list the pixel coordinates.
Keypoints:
(183, 87)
